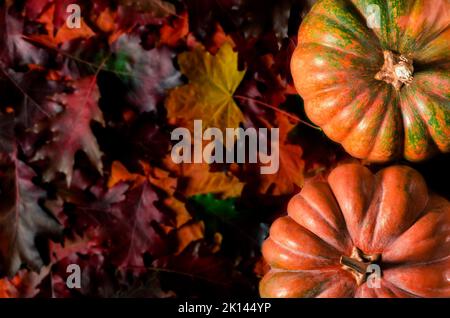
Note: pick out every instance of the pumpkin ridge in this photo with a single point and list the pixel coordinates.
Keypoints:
(396, 118)
(336, 231)
(352, 9)
(363, 21)
(412, 294)
(322, 217)
(415, 148)
(366, 43)
(348, 235)
(373, 104)
(363, 109)
(378, 210)
(391, 265)
(421, 288)
(301, 253)
(432, 37)
(440, 98)
(345, 167)
(436, 101)
(335, 48)
(383, 177)
(321, 253)
(387, 100)
(372, 212)
(322, 97)
(332, 248)
(329, 269)
(393, 289)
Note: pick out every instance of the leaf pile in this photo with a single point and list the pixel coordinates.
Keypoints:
(86, 116)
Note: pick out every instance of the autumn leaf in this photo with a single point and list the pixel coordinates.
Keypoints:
(196, 178)
(95, 280)
(135, 229)
(189, 233)
(62, 34)
(106, 20)
(197, 263)
(24, 284)
(209, 94)
(161, 180)
(158, 177)
(6, 133)
(33, 8)
(59, 13)
(70, 126)
(157, 8)
(146, 74)
(200, 180)
(126, 222)
(172, 34)
(289, 177)
(89, 243)
(14, 48)
(38, 88)
(119, 173)
(22, 217)
(8, 287)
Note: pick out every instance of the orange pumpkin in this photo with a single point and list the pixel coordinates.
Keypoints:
(361, 235)
(375, 75)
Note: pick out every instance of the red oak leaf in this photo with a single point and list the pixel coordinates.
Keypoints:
(136, 228)
(127, 220)
(22, 219)
(15, 49)
(71, 129)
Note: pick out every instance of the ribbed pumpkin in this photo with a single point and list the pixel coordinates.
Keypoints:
(337, 230)
(375, 75)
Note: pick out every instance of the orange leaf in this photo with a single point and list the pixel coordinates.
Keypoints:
(178, 208)
(64, 34)
(8, 287)
(219, 38)
(189, 233)
(106, 20)
(23, 285)
(290, 175)
(198, 179)
(217, 242)
(120, 174)
(171, 35)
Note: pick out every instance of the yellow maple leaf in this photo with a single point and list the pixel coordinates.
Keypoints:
(208, 96)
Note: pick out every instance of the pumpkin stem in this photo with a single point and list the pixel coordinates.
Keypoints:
(358, 263)
(397, 70)
(355, 265)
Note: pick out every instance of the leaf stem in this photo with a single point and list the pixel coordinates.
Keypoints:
(293, 117)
